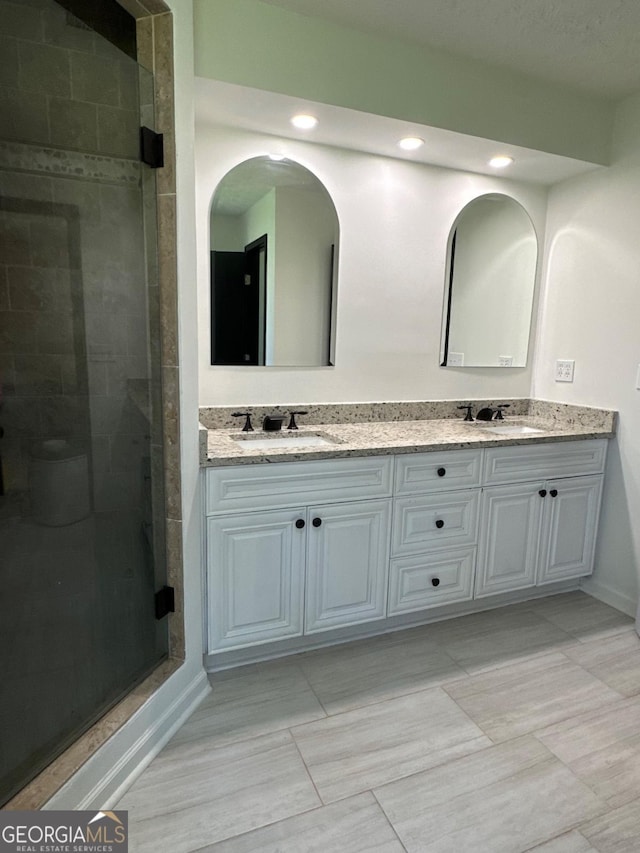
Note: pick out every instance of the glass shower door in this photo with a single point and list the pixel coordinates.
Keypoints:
(82, 547)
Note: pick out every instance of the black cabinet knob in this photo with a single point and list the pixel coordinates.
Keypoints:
(435, 581)
(439, 524)
(543, 493)
(316, 522)
(442, 472)
(554, 493)
(300, 523)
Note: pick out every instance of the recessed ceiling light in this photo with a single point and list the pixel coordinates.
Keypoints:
(277, 157)
(411, 143)
(501, 161)
(303, 121)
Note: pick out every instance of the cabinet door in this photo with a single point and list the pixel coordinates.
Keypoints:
(255, 565)
(569, 528)
(347, 564)
(508, 554)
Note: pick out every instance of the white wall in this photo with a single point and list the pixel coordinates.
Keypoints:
(395, 218)
(591, 313)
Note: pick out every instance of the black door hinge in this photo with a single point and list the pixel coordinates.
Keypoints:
(151, 148)
(165, 602)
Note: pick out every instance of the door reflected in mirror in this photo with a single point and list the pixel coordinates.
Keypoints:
(274, 243)
(491, 270)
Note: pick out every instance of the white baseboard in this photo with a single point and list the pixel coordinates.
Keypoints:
(83, 792)
(610, 596)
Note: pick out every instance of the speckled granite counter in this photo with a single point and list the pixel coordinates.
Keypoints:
(228, 445)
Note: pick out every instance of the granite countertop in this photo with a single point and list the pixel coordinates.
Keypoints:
(227, 446)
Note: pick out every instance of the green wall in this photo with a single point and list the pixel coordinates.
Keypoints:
(253, 44)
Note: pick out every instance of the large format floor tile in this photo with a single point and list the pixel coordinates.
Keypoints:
(581, 615)
(505, 799)
(481, 641)
(514, 700)
(603, 749)
(194, 796)
(614, 660)
(251, 701)
(617, 831)
(358, 674)
(355, 751)
(570, 842)
(356, 825)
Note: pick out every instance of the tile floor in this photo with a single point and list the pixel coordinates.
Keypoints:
(501, 732)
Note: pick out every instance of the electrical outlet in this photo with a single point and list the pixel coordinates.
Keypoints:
(505, 361)
(455, 359)
(564, 370)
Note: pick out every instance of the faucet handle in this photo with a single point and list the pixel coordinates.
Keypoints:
(468, 416)
(499, 410)
(247, 424)
(292, 420)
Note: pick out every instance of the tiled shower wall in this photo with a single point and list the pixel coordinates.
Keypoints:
(73, 293)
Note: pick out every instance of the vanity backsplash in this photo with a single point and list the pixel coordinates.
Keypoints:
(221, 417)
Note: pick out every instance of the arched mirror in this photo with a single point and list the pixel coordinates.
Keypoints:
(274, 244)
(491, 272)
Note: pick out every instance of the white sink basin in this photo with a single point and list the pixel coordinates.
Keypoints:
(293, 439)
(512, 429)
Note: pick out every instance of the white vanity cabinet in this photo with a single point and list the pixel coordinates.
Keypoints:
(280, 565)
(536, 530)
(435, 529)
(295, 549)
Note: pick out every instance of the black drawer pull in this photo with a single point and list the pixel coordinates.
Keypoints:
(543, 493)
(442, 472)
(300, 523)
(316, 522)
(435, 581)
(439, 524)
(554, 493)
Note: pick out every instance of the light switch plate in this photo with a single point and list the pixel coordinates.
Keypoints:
(564, 370)
(638, 379)
(505, 361)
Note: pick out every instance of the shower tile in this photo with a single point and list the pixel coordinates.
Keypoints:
(37, 374)
(8, 62)
(55, 333)
(21, 22)
(35, 289)
(118, 132)
(73, 125)
(24, 118)
(17, 332)
(93, 79)
(45, 69)
(15, 238)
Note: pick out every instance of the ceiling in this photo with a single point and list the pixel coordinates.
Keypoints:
(268, 114)
(587, 45)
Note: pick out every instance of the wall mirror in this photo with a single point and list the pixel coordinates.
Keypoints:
(491, 270)
(274, 244)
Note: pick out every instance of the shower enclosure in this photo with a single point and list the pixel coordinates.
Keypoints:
(82, 535)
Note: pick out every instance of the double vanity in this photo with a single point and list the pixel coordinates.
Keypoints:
(369, 518)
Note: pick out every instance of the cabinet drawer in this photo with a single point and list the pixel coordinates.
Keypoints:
(429, 472)
(435, 521)
(283, 484)
(520, 463)
(431, 580)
